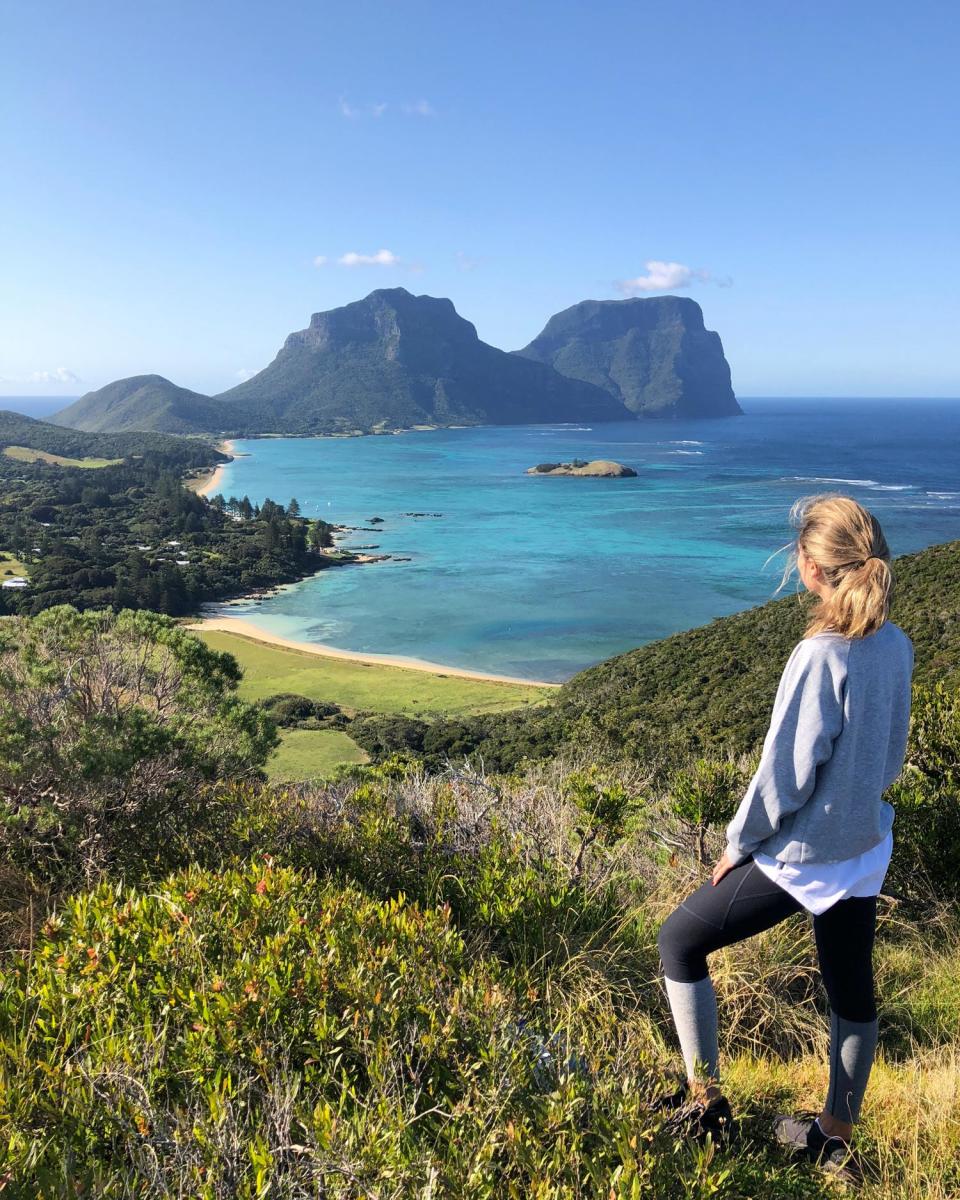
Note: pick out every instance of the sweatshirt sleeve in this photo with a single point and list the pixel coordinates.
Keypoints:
(807, 719)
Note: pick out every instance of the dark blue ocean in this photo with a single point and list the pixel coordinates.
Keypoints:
(541, 577)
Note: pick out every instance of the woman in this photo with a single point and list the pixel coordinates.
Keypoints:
(811, 832)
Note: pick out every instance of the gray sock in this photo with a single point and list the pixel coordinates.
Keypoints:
(853, 1045)
(694, 1008)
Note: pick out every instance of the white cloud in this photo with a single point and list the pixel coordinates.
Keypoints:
(668, 277)
(244, 374)
(420, 108)
(320, 260)
(465, 262)
(382, 258)
(353, 112)
(59, 375)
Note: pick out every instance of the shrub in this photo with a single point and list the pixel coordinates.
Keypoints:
(111, 728)
(705, 794)
(288, 710)
(142, 1019)
(926, 798)
(386, 735)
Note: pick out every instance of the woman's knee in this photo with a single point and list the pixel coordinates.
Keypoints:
(681, 951)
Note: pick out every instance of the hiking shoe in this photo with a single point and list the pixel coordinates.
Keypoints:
(670, 1101)
(807, 1140)
(696, 1120)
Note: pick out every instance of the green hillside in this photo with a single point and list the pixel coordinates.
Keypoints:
(403, 984)
(143, 402)
(22, 433)
(717, 682)
(701, 689)
(391, 360)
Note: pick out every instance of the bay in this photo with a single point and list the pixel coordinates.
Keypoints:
(540, 577)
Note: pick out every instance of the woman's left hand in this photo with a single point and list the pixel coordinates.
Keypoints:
(723, 866)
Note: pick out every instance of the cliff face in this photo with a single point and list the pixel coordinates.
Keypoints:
(653, 354)
(394, 359)
(147, 403)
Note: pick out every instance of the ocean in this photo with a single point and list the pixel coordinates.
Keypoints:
(541, 577)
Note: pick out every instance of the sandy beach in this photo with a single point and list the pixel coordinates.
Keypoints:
(247, 629)
(210, 486)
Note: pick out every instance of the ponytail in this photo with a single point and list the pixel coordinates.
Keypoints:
(848, 545)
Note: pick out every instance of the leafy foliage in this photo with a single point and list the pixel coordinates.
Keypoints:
(706, 794)
(927, 797)
(110, 727)
(291, 711)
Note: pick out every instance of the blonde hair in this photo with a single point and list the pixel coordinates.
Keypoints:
(847, 544)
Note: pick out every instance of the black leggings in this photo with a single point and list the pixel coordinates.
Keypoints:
(746, 902)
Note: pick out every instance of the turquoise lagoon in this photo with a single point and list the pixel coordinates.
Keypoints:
(540, 577)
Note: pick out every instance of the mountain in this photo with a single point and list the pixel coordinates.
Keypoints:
(396, 360)
(144, 403)
(652, 354)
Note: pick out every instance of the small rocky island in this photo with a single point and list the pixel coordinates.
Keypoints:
(597, 468)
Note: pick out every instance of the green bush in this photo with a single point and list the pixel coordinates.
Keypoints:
(926, 798)
(112, 729)
(706, 794)
(289, 710)
(141, 1017)
(259, 1033)
(383, 735)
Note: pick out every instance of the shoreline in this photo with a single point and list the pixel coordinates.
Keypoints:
(209, 484)
(246, 629)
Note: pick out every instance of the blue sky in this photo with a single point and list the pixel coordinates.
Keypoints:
(171, 173)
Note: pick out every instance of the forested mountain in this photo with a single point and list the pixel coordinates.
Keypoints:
(653, 354)
(397, 360)
(144, 402)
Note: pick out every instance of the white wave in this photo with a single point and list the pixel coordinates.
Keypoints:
(684, 451)
(944, 495)
(686, 442)
(828, 479)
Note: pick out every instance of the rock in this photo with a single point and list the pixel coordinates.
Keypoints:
(598, 468)
(398, 360)
(653, 354)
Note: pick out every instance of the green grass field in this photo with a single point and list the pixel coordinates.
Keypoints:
(12, 566)
(312, 754)
(355, 685)
(25, 454)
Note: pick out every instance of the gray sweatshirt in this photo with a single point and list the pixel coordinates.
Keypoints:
(837, 740)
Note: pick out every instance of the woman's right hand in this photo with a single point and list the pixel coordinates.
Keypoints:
(724, 865)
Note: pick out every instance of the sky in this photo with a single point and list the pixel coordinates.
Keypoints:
(183, 182)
